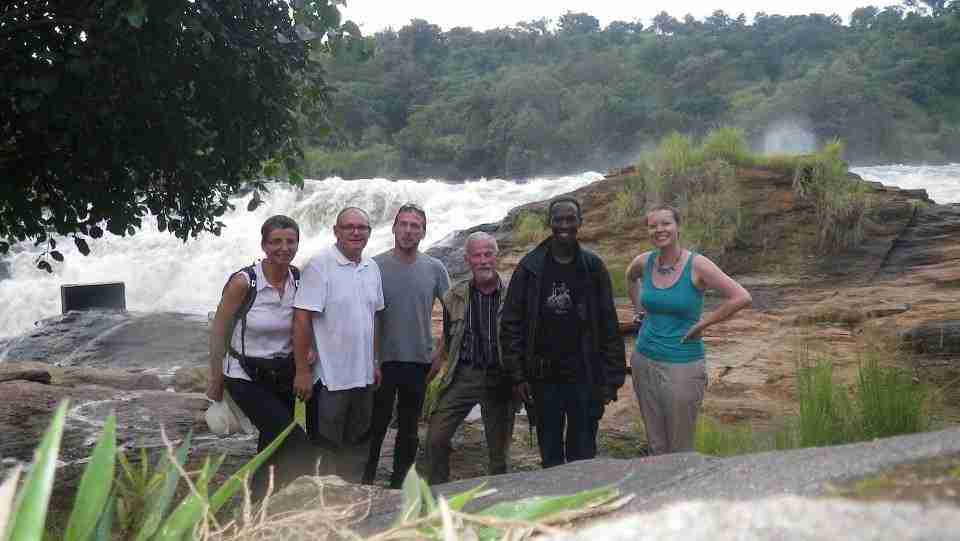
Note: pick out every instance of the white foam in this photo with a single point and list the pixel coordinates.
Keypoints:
(163, 273)
(942, 182)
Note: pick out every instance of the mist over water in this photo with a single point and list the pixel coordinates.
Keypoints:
(789, 135)
(163, 273)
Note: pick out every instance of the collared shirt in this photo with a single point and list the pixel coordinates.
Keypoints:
(343, 296)
(269, 324)
(479, 347)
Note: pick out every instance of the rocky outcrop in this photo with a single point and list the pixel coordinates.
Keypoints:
(660, 485)
(785, 518)
(155, 341)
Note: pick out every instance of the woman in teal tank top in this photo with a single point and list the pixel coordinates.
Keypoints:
(668, 362)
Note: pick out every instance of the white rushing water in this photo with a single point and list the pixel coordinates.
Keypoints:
(163, 273)
(942, 182)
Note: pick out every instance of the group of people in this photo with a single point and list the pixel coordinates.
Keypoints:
(350, 335)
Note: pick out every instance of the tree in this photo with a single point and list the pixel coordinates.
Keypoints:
(115, 110)
(578, 23)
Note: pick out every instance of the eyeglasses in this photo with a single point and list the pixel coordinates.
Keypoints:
(354, 228)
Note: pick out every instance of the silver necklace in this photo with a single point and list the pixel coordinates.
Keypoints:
(667, 269)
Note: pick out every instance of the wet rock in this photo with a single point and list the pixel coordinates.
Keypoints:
(784, 518)
(885, 310)
(124, 380)
(936, 337)
(191, 379)
(157, 342)
(21, 374)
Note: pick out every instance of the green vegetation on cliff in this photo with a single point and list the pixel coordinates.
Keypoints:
(540, 97)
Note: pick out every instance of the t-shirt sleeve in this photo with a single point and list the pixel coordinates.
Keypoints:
(443, 280)
(379, 304)
(312, 294)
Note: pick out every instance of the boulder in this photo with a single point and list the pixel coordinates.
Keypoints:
(786, 518)
(158, 341)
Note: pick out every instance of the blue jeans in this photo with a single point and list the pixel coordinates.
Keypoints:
(567, 420)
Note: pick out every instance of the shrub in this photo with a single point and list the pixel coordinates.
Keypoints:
(96, 504)
(729, 145)
(676, 155)
(624, 207)
(23, 513)
(530, 227)
(840, 201)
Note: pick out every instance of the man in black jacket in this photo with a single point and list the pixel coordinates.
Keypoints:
(560, 339)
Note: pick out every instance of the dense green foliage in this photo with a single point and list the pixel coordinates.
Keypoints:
(113, 109)
(539, 97)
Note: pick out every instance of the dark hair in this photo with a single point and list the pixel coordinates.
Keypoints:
(346, 209)
(414, 208)
(278, 222)
(673, 210)
(564, 199)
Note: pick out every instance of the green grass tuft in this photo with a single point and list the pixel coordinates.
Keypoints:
(530, 227)
(889, 401)
(729, 145)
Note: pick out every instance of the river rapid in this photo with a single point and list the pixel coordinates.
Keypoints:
(162, 273)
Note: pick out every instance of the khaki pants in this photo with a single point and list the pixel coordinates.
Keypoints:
(471, 386)
(670, 395)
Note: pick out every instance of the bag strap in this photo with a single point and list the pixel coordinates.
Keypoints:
(241, 314)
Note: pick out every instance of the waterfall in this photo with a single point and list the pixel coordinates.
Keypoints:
(163, 273)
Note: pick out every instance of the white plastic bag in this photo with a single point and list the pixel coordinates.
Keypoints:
(225, 418)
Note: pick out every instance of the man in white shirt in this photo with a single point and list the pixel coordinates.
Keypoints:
(340, 291)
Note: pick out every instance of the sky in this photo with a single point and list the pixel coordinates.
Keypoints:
(375, 15)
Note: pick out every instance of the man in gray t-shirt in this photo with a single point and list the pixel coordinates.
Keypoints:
(411, 282)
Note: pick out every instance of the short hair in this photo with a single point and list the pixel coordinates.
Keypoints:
(480, 236)
(414, 208)
(561, 200)
(347, 209)
(673, 210)
(278, 222)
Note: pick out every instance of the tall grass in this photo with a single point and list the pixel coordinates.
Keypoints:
(530, 227)
(889, 401)
(841, 202)
(729, 145)
(825, 409)
(885, 401)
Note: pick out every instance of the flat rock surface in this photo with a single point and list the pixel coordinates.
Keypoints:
(784, 518)
(157, 341)
(660, 481)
